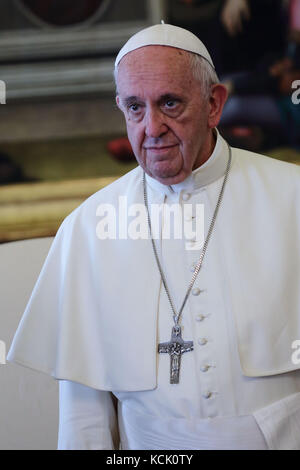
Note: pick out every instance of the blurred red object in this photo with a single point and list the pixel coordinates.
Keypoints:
(121, 149)
(294, 14)
(242, 131)
(248, 138)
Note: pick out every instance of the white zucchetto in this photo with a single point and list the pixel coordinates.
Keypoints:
(165, 35)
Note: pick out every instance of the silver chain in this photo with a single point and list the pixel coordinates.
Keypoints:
(176, 316)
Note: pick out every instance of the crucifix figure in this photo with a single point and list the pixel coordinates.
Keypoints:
(176, 347)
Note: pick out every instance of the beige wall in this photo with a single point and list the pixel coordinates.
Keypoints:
(28, 399)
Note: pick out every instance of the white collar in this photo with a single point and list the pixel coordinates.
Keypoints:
(213, 169)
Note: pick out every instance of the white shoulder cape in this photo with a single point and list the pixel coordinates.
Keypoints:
(92, 316)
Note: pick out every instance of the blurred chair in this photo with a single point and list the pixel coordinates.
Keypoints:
(28, 399)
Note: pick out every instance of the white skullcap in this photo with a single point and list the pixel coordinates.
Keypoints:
(165, 35)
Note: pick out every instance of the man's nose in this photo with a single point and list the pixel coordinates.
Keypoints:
(155, 125)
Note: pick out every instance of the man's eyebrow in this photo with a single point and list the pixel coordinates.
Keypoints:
(129, 100)
(163, 98)
(170, 96)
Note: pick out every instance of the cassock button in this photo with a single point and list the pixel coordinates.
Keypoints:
(207, 394)
(185, 196)
(202, 341)
(196, 291)
(204, 368)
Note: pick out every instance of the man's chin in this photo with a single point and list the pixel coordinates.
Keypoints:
(169, 180)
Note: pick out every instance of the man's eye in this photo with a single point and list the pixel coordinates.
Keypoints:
(134, 107)
(170, 103)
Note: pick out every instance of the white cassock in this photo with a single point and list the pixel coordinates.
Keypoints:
(99, 310)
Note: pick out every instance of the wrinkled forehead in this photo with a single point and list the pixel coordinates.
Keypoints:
(154, 61)
(152, 71)
(154, 51)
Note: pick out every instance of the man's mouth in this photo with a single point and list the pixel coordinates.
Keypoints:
(160, 149)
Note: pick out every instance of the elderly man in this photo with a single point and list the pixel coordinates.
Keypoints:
(174, 342)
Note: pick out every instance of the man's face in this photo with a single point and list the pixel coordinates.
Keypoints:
(165, 111)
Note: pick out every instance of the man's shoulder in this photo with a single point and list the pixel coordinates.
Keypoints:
(124, 185)
(267, 166)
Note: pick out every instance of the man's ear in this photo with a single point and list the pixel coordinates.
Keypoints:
(118, 101)
(217, 99)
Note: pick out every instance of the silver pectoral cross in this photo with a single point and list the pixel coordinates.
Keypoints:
(176, 347)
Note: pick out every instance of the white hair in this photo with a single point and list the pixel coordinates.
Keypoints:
(202, 71)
